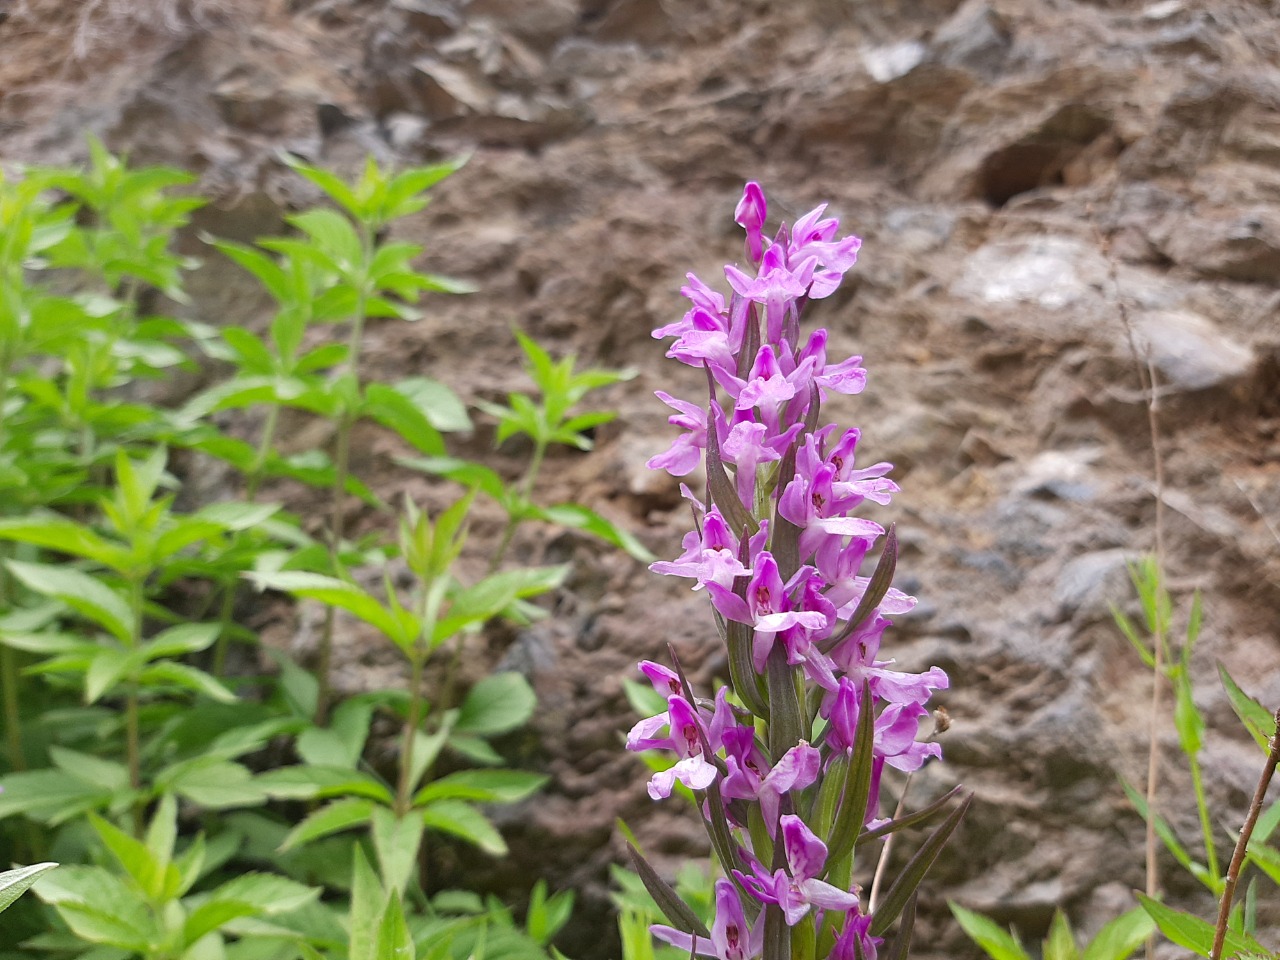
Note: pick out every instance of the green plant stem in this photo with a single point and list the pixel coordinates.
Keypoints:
(133, 746)
(224, 629)
(1206, 826)
(342, 465)
(252, 482)
(404, 789)
(1242, 843)
(526, 493)
(133, 751)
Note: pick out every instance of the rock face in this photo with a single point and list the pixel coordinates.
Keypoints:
(1043, 189)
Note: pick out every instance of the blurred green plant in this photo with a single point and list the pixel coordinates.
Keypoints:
(211, 810)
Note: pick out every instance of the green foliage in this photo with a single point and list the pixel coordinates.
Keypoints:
(204, 808)
(1117, 940)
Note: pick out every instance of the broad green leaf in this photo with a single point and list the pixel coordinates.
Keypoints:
(162, 834)
(394, 940)
(107, 667)
(214, 915)
(111, 926)
(305, 782)
(338, 593)
(1000, 944)
(218, 785)
(328, 182)
(367, 901)
(340, 815)
(180, 640)
(499, 703)
(472, 475)
(192, 678)
(14, 883)
(395, 410)
(106, 774)
(84, 594)
(466, 822)
(131, 854)
(48, 643)
(333, 234)
(580, 518)
(268, 272)
(342, 742)
(1193, 933)
(50, 796)
(396, 841)
(438, 403)
(270, 893)
(65, 536)
(493, 595)
(1121, 937)
(482, 786)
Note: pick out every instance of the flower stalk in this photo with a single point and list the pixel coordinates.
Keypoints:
(785, 762)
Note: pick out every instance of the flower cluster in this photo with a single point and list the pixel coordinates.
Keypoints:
(796, 751)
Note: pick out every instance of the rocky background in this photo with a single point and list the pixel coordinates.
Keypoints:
(1021, 171)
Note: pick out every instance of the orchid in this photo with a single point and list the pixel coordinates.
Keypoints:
(786, 761)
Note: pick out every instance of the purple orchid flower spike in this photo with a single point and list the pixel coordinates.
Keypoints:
(782, 554)
(732, 938)
(801, 890)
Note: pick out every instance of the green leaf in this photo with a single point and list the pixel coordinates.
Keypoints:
(214, 915)
(909, 879)
(367, 900)
(394, 940)
(218, 785)
(396, 841)
(438, 403)
(340, 815)
(270, 893)
(14, 883)
(396, 411)
(343, 595)
(50, 796)
(333, 234)
(106, 774)
(474, 476)
(1193, 933)
(162, 833)
(1061, 943)
(461, 820)
(65, 536)
(309, 781)
(268, 272)
(111, 926)
(84, 594)
(328, 182)
(1121, 937)
(1257, 719)
(499, 703)
(107, 667)
(1266, 859)
(580, 518)
(492, 596)
(482, 786)
(131, 854)
(1164, 832)
(341, 744)
(190, 677)
(998, 943)
(1187, 719)
(180, 640)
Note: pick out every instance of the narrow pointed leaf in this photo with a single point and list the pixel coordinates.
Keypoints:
(396, 841)
(679, 913)
(14, 883)
(857, 784)
(903, 887)
(900, 946)
(914, 819)
(1193, 933)
(999, 943)
(1121, 937)
(1256, 718)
